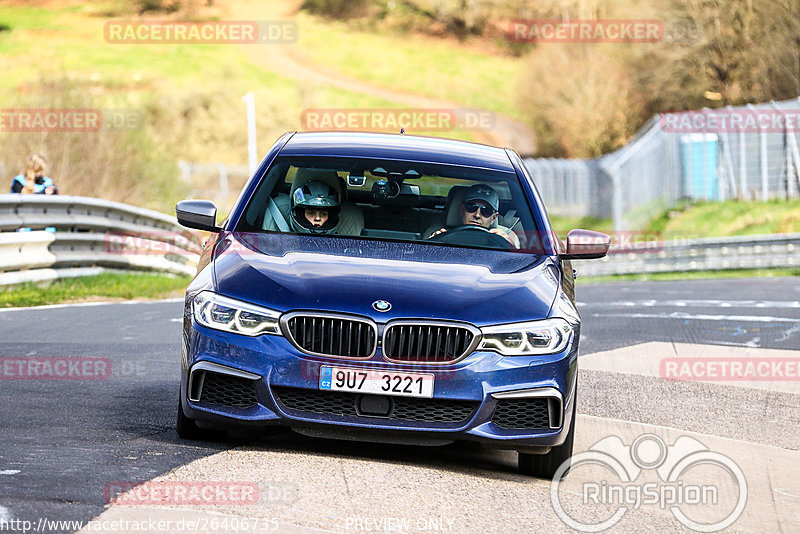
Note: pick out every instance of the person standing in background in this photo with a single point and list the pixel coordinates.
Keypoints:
(33, 179)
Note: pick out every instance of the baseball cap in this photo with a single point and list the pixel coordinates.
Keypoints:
(485, 193)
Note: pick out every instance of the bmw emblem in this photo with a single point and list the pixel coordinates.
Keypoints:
(381, 305)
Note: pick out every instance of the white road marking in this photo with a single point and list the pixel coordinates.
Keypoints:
(178, 320)
(787, 333)
(649, 303)
(5, 515)
(9, 472)
(753, 342)
(702, 317)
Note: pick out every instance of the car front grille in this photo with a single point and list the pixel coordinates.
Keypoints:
(226, 390)
(341, 337)
(337, 403)
(522, 414)
(427, 343)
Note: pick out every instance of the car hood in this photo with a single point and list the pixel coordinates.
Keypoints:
(291, 272)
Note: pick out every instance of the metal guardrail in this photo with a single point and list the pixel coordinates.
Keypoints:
(707, 254)
(92, 234)
(43, 237)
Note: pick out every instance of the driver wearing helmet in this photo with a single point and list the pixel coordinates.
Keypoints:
(315, 208)
(480, 208)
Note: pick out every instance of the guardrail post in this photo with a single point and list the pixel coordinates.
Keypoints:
(252, 151)
(186, 171)
(742, 162)
(223, 182)
(619, 223)
(764, 166)
(792, 156)
(792, 141)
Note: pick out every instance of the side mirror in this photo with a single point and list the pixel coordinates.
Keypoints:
(586, 245)
(197, 214)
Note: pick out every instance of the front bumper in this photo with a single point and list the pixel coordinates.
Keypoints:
(485, 397)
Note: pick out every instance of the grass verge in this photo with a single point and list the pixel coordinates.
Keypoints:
(424, 65)
(107, 285)
(562, 225)
(703, 219)
(729, 218)
(690, 275)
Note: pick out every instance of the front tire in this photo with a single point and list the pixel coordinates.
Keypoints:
(187, 428)
(546, 465)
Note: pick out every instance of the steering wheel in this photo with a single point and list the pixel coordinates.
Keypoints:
(473, 235)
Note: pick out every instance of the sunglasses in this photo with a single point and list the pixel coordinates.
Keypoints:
(472, 207)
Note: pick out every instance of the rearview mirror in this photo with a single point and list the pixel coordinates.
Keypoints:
(197, 214)
(586, 245)
(356, 180)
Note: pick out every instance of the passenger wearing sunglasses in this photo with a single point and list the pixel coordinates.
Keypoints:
(480, 208)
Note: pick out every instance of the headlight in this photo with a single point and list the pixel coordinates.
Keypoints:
(523, 339)
(223, 313)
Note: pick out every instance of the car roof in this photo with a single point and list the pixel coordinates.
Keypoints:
(398, 147)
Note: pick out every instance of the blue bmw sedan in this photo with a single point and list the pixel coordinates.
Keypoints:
(387, 288)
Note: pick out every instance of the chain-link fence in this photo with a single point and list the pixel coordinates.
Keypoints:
(748, 152)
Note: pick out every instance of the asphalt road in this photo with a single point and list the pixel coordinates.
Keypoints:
(62, 442)
(763, 312)
(67, 438)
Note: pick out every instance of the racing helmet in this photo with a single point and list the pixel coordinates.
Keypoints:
(314, 194)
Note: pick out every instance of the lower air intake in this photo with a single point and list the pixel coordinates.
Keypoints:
(225, 390)
(522, 414)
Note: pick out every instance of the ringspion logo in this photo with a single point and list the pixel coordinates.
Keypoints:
(650, 473)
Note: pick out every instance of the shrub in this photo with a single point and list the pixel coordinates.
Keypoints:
(125, 165)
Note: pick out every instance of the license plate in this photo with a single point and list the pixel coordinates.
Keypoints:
(376, 382)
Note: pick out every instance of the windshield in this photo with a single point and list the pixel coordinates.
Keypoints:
(394, 200)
